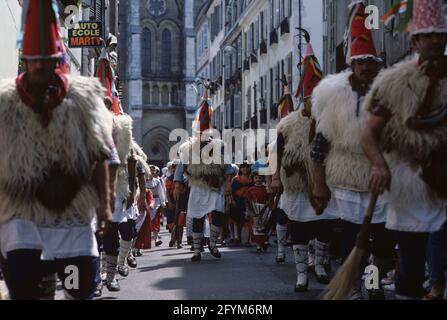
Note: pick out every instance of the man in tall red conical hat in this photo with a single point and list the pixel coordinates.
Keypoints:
(292, 182)
(408, 119)
(340, 168)
(56, 132)
(203, 163)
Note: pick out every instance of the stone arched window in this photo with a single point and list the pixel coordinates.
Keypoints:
(146, 94)
(166, 51)
(165, 95)
(174, 95)
(156, 95)
(146, 56)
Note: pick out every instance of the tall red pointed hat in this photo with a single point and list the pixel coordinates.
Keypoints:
(428, 17)
(41, 36)
(360, 43)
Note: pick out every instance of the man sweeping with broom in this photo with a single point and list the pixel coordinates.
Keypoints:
(338, 161)
(406, 138)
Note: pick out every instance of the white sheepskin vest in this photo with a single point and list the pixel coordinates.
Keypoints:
(401, 89)
(334, 106)
(122, 136)
(295, 130)
(202, 173)
(79, 134)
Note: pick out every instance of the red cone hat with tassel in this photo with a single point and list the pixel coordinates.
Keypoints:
(360, 41)
(312, 74)
(41, 36)
(204, 116)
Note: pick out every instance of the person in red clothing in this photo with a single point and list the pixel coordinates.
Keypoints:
(240, 185)
(258, 210)
(144, 226)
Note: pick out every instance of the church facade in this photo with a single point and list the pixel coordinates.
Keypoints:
(157, 59)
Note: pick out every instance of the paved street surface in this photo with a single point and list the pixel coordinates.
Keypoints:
(165, 273)
(168, 274)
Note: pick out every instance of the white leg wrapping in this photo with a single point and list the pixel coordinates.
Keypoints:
(301, 257)
(321, 250)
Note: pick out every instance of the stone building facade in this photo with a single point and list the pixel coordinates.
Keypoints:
(158, 69)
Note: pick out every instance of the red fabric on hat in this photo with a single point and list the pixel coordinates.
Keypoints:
(41, 31)
(361, 40)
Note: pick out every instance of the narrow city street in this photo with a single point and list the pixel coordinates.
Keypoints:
(242, 274)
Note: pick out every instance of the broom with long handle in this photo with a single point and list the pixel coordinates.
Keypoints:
(346, 276)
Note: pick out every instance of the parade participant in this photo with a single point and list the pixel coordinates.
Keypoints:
(207, 181)
(118, 241)
(295, 132)
(176, 212)
(258, 208)
(154, 184)
(337, 156)
(59, 133)
(405, 140)
(239, 187)
(143, 225)
(228, 226)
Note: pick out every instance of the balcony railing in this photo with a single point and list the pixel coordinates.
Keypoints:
(263, 47)
(285, 26)
(273, 37)
(263, 116)
(246, 64)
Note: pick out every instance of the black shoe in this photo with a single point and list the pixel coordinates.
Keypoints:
(280, 259)
(179, 246)
(98, 290)
(171, 244)
(301, 288)
(324, 279)
(132, 262)
(113, 286)
(214, 252)
(123, 271)
(158, 243)
(138, 253)
(191, 249)
(189, 241)
(196, 258)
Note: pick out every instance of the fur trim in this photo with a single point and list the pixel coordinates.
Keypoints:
(295, 130)
(79, 134)
(401, 89)
(202, 173)
(142, 158)
(122, 136)
(334, 106)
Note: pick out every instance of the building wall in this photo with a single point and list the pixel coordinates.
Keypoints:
(9, 26)
(157, 91)
(237, 64)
